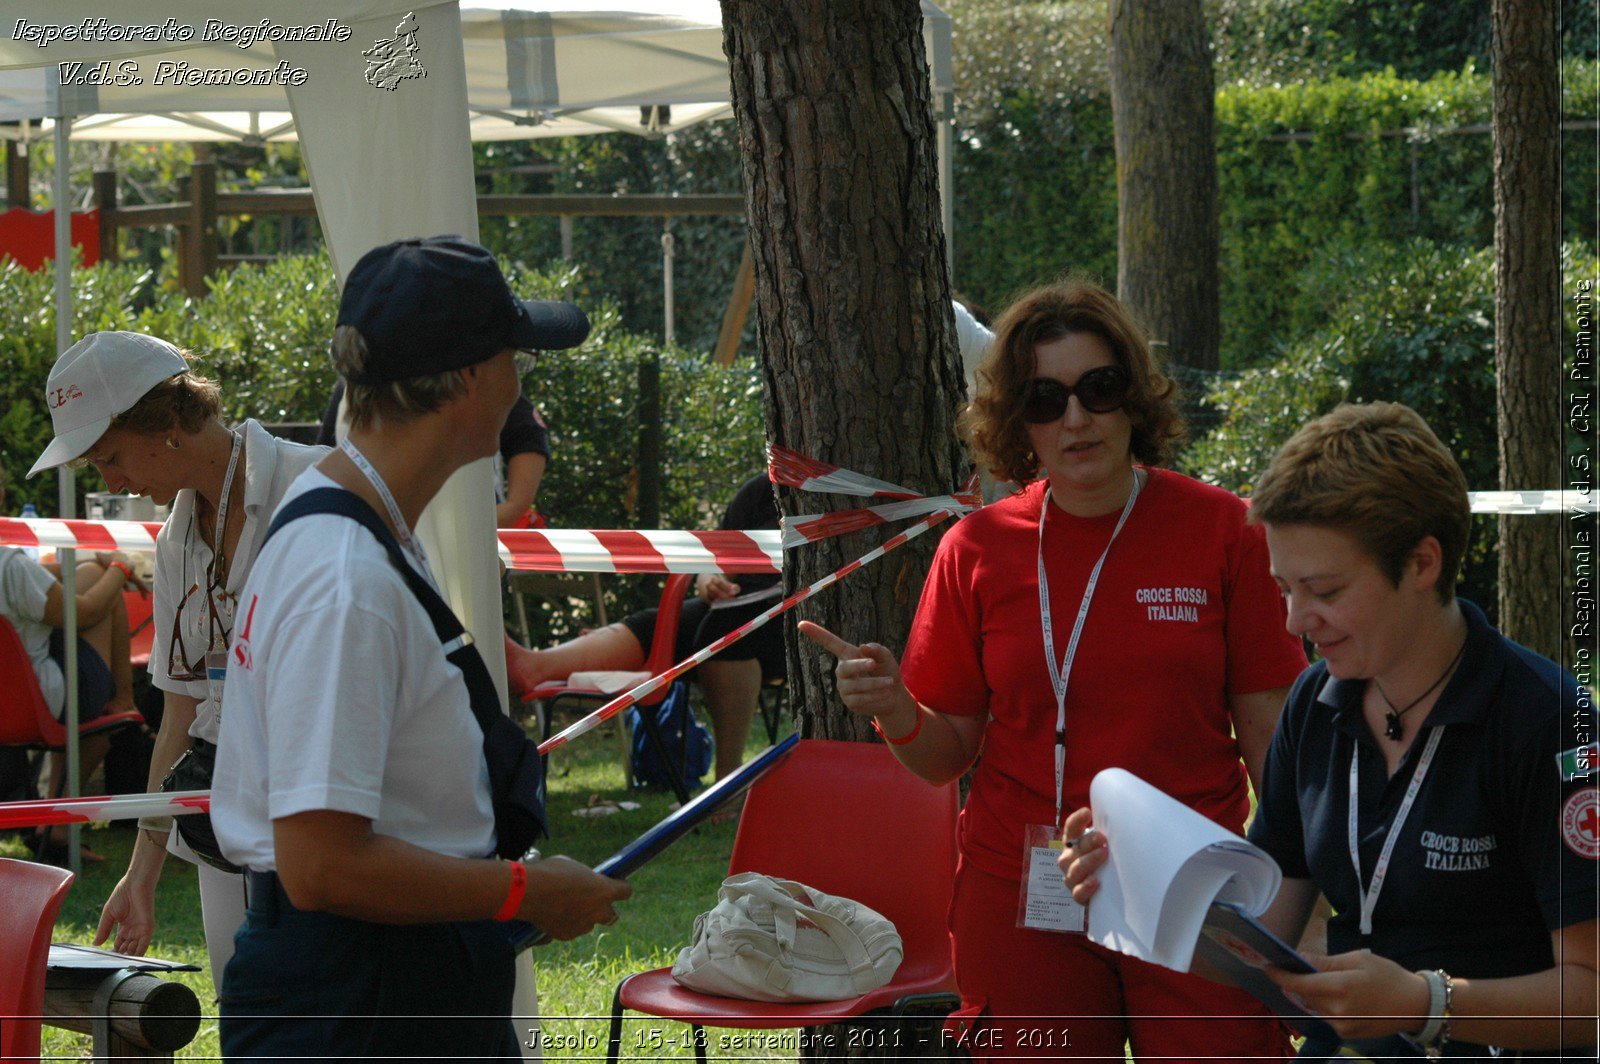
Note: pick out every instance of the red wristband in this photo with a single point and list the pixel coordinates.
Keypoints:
(904, 739)
(127, 572)
(519, 887)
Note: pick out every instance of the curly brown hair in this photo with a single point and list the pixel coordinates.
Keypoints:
(184, 401)
(992, 425)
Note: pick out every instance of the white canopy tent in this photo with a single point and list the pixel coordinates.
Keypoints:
(562, 68)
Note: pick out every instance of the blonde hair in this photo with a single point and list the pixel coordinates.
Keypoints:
(1376, 472)
(393, 401)
(992, 425)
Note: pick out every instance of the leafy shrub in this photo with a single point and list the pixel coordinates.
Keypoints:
(1411, 323)
(1035, 161)
(263, 334)
(1284, 201)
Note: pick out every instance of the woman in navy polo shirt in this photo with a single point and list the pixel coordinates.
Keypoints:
(1465, 883)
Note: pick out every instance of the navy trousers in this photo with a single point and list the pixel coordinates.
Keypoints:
(314, 986)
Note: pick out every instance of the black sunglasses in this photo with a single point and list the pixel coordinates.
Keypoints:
(1101, 391)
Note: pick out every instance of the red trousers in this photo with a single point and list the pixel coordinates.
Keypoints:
(1052, 995)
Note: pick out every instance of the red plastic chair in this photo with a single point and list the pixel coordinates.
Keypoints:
(25, 718)
(661, 656)
(30, 896)
(848, 819)
(141, 632)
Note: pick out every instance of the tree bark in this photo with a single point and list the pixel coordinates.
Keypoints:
(1524, 52)
(852, 299)
(1162, 106)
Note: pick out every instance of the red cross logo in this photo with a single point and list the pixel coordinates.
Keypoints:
(1580, 823)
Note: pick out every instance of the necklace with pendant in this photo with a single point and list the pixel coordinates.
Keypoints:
(1391, 719)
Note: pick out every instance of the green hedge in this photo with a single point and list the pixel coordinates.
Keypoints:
(263, 335)
(1410, 323)
(1284, 202)
(1036, 173)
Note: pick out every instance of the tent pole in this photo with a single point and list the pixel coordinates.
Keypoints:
(667, 250)
(68, 498)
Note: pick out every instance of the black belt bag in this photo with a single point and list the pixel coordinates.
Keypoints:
(192, 772)
(516, 771)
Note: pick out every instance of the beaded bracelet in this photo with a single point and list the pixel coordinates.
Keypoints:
(1436, 1032)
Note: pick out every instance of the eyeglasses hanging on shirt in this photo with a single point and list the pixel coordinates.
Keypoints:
(216, 575)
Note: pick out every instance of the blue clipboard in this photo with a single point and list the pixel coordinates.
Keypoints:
(641, 850)
(1238, 946)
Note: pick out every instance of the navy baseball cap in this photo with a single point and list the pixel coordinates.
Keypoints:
(440, 303)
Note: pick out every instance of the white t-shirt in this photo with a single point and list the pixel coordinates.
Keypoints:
(24, 586)
(269, 465)
(339, 697)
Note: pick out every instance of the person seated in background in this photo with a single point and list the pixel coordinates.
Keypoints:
(1464, 879)
(33, 599)
(519, 464)
(731, 681)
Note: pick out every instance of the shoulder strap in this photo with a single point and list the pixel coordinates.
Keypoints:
(458, 647)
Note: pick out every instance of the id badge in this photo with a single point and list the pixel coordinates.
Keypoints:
(216, 672)
(1046, 902)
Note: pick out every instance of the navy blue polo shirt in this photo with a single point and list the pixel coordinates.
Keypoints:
(1499, 848)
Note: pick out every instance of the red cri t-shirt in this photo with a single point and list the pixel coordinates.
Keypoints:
(1185, 614)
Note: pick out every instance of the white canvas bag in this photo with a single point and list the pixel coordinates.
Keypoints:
(777, 940)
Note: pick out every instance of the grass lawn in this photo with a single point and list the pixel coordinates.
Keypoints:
(576, 979)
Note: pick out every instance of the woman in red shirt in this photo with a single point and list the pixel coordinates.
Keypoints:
(1110, 613)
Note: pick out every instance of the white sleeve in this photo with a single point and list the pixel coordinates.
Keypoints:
(26, 586)
(327, 703)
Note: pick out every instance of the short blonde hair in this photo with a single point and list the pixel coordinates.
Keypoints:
(992, 425)
(393, 402)
(1376, 472)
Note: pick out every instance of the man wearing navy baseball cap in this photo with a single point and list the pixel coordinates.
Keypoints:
(351, 781)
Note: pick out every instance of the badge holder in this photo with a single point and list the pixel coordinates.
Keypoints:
(216, 672)
(1044, 902)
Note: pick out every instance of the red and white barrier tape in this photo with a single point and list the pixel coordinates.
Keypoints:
(656, 683)
(117, 807)
(566, 550)
(794, 470)
(50, 534)
(630, 551)
(814, 527)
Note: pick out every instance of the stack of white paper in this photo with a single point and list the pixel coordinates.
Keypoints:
(1167, 865)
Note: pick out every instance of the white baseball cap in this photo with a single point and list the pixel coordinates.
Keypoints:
(96, 379)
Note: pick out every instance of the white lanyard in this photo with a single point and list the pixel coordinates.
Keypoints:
(412, 545)
(1369, 894)
(1059, 674)
(217, 541)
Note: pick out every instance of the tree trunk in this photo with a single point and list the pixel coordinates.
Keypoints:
(1162, 104)
(852, 300)
(1525, 55)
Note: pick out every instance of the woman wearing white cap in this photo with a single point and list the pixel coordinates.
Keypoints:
(129, 404)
